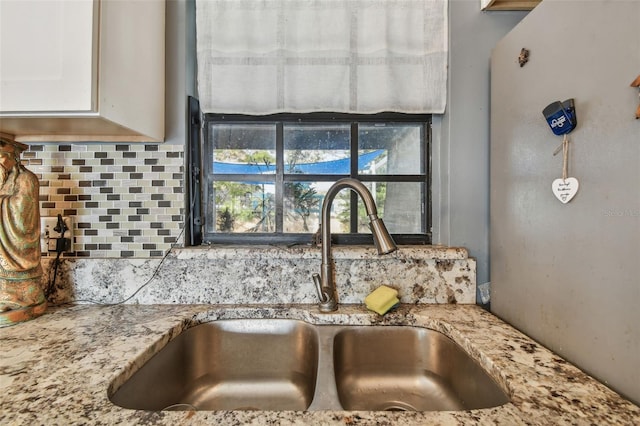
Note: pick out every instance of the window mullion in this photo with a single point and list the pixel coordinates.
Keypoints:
(209, 200)
(208, 179)
(353, 223)
(426, 196)
(279, 177)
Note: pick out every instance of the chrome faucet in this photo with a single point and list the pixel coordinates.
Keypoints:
(325, 281)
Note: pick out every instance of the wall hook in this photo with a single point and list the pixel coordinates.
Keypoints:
(523, 57)
(636, 83)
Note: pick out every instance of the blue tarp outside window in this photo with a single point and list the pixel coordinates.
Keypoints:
(338, 167)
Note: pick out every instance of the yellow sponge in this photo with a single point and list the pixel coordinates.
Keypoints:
(382, 299)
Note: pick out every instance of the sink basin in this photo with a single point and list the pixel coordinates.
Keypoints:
(280, 364)
(239, 364)
(409, 368)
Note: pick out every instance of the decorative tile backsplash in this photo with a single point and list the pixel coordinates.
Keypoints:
(126, 200)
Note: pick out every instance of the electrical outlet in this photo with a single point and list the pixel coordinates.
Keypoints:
(49, 236)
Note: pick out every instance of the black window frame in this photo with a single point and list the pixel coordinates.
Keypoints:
(280, 119)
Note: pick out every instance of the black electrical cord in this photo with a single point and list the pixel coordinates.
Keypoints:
(48, 292)
(155, 272)
(61, 244)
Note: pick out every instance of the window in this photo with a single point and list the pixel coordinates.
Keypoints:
(265, 176)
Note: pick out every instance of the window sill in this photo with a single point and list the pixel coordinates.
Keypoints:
(408, 252)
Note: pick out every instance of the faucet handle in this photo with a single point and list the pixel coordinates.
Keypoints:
(323, 296)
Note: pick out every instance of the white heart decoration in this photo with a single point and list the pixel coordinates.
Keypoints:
(565, 189)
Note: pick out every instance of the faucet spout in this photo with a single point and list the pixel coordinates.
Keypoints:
(325, 281)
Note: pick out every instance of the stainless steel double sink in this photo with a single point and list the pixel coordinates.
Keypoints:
(283, 364)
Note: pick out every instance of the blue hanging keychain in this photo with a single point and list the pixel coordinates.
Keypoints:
(561, 116)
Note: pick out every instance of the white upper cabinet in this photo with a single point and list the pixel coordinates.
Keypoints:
(82, 70)
(46, 60)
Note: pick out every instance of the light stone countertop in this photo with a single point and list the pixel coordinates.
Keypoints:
(57, 369)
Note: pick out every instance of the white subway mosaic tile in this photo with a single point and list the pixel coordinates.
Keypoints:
(110, 190)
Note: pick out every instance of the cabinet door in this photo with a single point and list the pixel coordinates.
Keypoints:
(47, 55)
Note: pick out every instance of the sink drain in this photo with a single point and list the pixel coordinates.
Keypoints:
(399, 406)
(180, 407)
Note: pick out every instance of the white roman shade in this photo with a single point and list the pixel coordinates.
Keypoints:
(355, 56)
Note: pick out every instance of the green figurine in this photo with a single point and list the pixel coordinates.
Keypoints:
(21, 295)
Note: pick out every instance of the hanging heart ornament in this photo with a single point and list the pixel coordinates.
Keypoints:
(565, 189)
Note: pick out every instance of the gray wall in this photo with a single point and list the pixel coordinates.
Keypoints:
(566, 274)
(461, 136)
